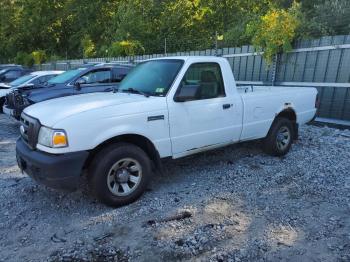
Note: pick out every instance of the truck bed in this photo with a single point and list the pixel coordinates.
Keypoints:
(261, 103)
(259, 89)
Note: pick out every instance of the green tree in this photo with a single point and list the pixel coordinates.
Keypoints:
(39, 56)
(25, 59)
(275, 31)
(126, 48)
(88, 47)
(329, 17)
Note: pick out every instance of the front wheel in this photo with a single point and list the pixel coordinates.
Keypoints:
(119, 174)
(280, 137)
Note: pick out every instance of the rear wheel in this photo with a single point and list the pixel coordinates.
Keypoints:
(119, 174)
(280, 137)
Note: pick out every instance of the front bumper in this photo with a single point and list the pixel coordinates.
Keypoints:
(55, 171)
(14, 113)
(8, 111)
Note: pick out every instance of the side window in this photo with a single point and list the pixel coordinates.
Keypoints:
(48, 77)
(41, 79)
(97, 77)
(13, 74)
(118, 74)
(202, 81)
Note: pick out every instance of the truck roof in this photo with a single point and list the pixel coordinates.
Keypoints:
(186, 58)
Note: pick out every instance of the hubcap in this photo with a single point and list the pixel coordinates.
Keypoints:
(124, 177)
(283, 138)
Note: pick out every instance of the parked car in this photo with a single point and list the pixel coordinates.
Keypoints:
(165, 108)
(72, 82)
(26, 81)
(10, 73)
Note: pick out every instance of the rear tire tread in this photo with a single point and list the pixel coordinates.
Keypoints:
(269, 143)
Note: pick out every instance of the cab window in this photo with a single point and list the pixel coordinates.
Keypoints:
(202, 81)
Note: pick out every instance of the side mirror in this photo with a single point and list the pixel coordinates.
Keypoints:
(79, 82)
(187, 93)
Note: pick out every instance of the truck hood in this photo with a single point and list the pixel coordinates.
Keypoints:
(52, 111)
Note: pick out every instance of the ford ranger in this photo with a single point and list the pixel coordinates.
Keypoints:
(165, 108)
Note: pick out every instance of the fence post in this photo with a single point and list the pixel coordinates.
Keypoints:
(274, 69)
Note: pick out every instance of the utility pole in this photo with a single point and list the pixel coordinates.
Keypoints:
(165, 47)
(216, 43)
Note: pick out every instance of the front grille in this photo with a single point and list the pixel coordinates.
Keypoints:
(10, 100)
(14, 100)
(29, 130)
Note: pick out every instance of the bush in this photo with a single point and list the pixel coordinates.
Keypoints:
(39, 56)
(275, 31)
(126, 48)
(88, 47)
(25, 59)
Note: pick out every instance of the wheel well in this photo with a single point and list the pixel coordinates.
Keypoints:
(138, 140)
(292, 116)
(289, 114)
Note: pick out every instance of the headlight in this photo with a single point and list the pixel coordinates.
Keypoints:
(52, 138)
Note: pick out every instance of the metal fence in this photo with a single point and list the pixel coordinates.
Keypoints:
(323, 63)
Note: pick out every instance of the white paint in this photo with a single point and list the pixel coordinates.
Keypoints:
(187, 128)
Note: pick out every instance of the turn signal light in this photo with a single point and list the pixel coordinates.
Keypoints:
(59, 139)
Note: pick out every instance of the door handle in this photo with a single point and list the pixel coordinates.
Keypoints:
(226, 106)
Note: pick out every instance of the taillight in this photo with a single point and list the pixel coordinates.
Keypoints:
(317, 101)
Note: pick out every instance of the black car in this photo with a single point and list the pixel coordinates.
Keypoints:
(12, 72)
(73, 82)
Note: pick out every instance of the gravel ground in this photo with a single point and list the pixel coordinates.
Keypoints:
(233, 204)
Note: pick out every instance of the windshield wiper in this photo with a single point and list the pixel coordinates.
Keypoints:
(135, 91)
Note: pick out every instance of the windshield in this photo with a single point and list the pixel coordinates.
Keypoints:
(21, 80)
(152, 77)
(66, 76)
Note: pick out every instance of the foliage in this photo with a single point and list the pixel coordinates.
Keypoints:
(76, 28)
(23, 58)
(275, 31)
(39, 56)
(329, 18)
(126, 48)
(88, 47)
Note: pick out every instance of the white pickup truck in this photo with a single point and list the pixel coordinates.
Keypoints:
(168, 107)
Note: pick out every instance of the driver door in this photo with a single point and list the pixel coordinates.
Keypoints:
(203, 117)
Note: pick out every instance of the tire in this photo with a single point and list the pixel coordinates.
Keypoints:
(280, 137)
(119, 174)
